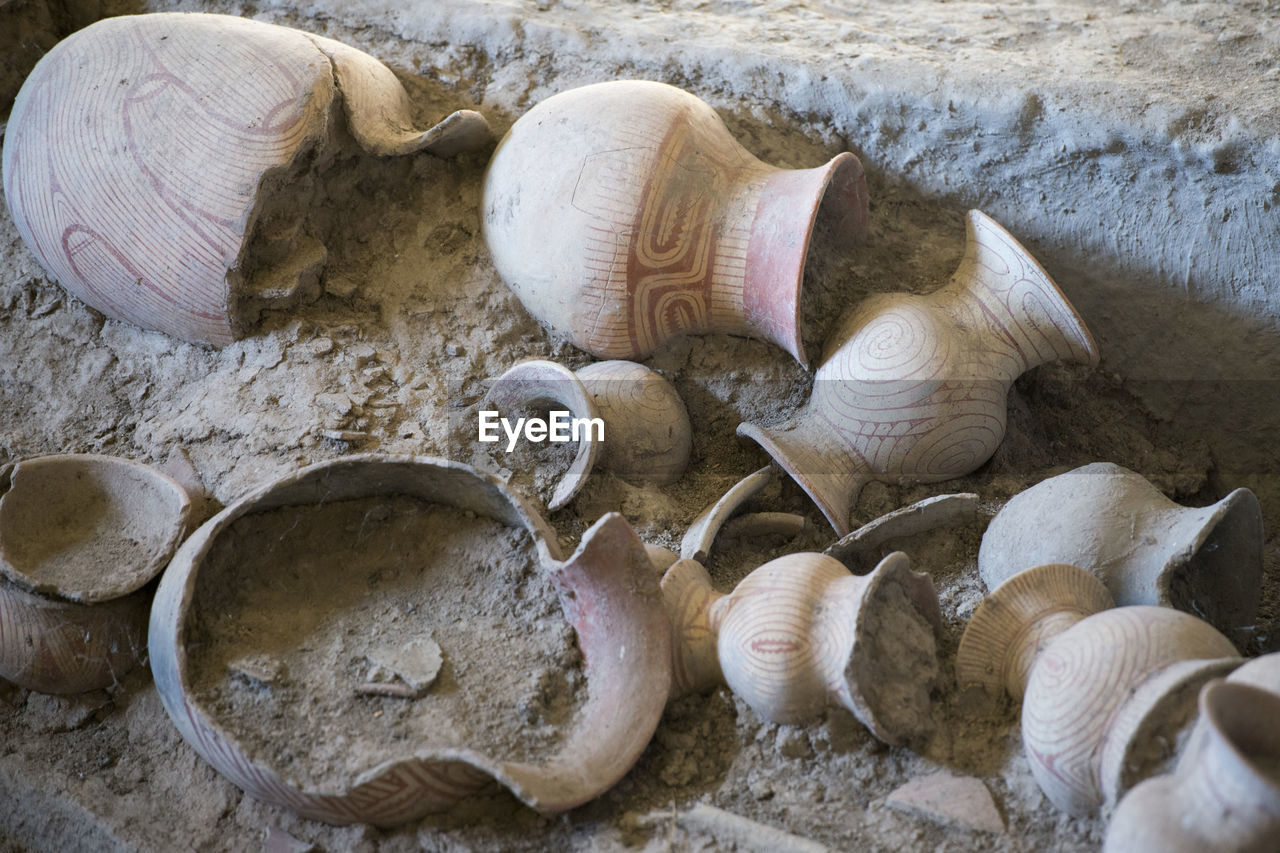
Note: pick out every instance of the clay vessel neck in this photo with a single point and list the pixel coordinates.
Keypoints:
(914, 387)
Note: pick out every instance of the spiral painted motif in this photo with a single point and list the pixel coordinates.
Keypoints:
(1079, 684)
(916, 389)
(647, 432)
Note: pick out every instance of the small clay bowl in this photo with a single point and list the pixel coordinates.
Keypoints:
(608, 594)
(80, 537)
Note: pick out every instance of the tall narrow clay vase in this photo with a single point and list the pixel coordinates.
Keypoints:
(160, 166)
(914, 387)
(1143, 546)
(624, 213)
(801, 633)
(1224, 796)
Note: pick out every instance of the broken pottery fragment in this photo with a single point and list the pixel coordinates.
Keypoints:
(800, 633)
(701, 535)
(623, 214)
(905, 522)
(955, 800)
(161, 166)
(647, 437)
(1145, 548)
(733, 831)
(913, 388)
(1107, 694)
(608, 596)
(80, 537)
(1225, 793)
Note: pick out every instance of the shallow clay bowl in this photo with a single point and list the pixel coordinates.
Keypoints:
(80, 536)
(608, 594)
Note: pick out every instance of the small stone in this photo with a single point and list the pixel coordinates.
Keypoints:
(955, 800)
(454, 350)
(339, 404)
(794, 743)
(347, 436)
(257, 670)
(277, 840)
(47, 713)
(363, 354)
(341, 286)
(416, 663)
(320, 346)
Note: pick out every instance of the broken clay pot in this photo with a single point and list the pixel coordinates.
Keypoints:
(801, 633)
(1107, 693)
(80, 538)
(154, 163)
(1144, 547)
(623, 214)
(608, 595)
(647, 437)
(1224, 795)
(913, 388)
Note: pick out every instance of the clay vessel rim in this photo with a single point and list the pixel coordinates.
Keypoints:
(919, 589)
(823, 176)
(1223, 696)
(109, 588)
(765, 438)
(1240, 506)
(548, 786)
(574, 395)
(975, 217)
(1132, 730)
(1011, 610)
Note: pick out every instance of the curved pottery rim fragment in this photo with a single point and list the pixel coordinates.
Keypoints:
(609, 594)
(20, 483)
(81, 538)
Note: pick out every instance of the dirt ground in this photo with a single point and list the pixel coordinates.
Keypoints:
(394, 357)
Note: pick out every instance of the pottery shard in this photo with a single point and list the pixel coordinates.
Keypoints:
(955, 800)
(416, 663)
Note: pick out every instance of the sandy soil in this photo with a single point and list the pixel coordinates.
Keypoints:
(413, 319)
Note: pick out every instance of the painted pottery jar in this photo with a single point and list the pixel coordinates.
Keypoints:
(1107, 694)
(81, 536)
(1143, 546)
(913, 388)
(158, 165)
(609, 598)
(801, 633)
(1224, 796)
(643, 421)
(623, 214)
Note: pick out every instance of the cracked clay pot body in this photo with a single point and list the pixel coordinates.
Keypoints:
(913, 388)
(81, 537)
(624, 213)
(1106, 691)
(608, 596)
(1144, 547)
(647, 436)
(159, 165)
(801, 633)
(1224, 796)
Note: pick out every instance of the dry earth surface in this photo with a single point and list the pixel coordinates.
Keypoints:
(1133, 148)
